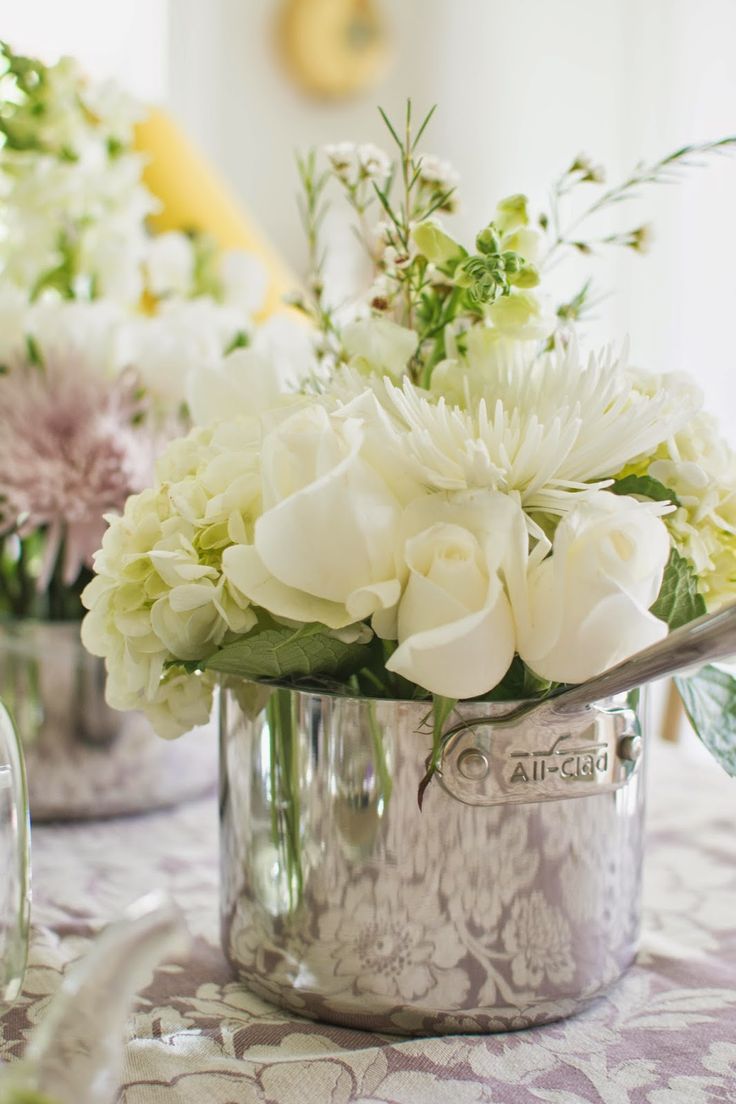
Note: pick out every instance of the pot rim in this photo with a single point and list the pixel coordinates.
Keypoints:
(426, 703)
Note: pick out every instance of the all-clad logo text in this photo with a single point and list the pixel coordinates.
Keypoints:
(577, 764)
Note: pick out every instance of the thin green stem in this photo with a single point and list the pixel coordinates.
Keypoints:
(379, 752)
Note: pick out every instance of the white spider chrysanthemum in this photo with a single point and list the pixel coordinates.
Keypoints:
(544, 430)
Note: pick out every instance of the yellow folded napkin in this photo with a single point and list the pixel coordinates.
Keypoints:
(194, 197)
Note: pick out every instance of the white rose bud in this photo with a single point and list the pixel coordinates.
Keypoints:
(589, 601)
(455, 625)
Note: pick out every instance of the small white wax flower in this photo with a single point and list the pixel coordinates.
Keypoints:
(373, 162)
(434, 170)
(341, 155)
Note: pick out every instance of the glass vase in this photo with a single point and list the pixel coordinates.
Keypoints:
(84, 759)
(510, 899)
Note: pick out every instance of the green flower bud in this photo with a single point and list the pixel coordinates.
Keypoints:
(510, 213)
(488, 241)
(434, 244)
(512, 262)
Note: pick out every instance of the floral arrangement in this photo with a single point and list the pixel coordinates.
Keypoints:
(455, 503)
(101, 326)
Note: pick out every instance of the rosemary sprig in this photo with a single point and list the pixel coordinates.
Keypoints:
(313, 208)
(664, 171)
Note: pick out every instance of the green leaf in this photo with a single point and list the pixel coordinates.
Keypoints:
(644, 487)
(678, 600)
(280, 652)
(239, 341)
(519, 684)
(709, 698)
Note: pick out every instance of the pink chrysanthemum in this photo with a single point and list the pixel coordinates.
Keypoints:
(69, 452)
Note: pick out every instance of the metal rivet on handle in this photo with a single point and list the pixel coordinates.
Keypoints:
(629, 748)
(473, 765)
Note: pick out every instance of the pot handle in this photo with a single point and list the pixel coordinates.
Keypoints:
(527, 756)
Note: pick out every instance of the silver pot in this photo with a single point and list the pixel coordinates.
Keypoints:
(84, 759)
(511, 899)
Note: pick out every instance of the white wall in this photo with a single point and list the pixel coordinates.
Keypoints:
(127, 40)
(522, 88)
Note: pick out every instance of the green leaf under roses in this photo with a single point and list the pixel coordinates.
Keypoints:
(519, 684)
(709, 698)
(678, 600)
(644, 487)
(280, 652)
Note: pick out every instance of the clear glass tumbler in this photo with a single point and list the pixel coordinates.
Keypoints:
(15, 898)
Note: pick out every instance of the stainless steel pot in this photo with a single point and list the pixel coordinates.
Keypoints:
(511, 899)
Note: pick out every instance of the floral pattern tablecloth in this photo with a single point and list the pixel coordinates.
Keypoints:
(665, 1035)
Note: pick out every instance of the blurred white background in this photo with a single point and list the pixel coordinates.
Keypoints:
(521, 89)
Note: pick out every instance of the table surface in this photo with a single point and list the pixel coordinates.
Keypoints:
(666, 1034)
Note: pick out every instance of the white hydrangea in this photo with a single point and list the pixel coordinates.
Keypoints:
(698, 465)
(160, 595)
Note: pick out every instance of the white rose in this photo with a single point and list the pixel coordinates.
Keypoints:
(588, 603)
(170, 264)
(380, 346)
(324, 544)
(455, 625)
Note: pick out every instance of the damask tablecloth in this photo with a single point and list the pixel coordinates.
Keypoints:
(665, 1035)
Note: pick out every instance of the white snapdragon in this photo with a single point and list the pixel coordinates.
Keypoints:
(244, 281)
(244, 382)
(169, 264)
(379, 346)
(185, 336)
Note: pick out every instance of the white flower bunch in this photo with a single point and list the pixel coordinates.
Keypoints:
(454, 503)
(459, 536)
(88, 294)
(74, 205)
